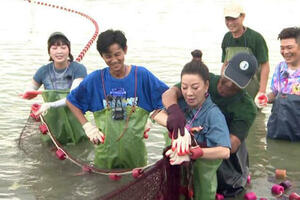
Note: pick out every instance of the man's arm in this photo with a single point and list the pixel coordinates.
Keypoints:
(176, 119)
(170, 96)
(235, 143)
(92, 132)
(264, 75)
(77, 112)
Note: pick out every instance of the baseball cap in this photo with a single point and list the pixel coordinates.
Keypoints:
(233, 10)
(57, 34)
(241, 68)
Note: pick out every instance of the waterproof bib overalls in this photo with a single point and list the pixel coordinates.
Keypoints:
(253, 86)
(284, 121)
(123, 146)
(61, 121)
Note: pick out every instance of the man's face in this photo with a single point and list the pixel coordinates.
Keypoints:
(235, 25)
(290, 51)
(226, 88)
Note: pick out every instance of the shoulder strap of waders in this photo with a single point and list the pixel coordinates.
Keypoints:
(134, 103)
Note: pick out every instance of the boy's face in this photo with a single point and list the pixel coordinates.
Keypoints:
(290, 51)
(115, 58)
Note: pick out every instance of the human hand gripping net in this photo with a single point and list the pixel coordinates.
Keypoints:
(182, 143)
(176, 121)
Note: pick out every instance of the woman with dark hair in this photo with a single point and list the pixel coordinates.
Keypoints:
(62, 73)
(207, 124)
(59, 76)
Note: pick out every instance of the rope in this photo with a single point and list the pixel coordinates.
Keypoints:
(90, 42)
(84, 166)
(87, 167)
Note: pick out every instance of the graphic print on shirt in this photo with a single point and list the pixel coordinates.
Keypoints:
(118, 102)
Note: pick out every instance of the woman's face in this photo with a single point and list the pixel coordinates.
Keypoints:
(193, 89)
(59, 53)
(115, 58)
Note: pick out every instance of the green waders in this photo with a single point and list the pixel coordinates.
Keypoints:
(253, 86)
(127, 151)
(205, 178)
(61, 121)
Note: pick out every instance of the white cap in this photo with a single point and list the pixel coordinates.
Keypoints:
(233, 10)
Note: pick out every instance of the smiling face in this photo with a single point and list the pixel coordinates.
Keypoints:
(193, 89)
(290, 51)
(235, 25)
(115, 58)
(59, 53)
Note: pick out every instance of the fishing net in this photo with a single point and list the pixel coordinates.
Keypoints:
(159, 181)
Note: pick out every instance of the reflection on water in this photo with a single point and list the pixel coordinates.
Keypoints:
(160, 35)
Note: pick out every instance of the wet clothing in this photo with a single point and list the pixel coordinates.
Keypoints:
(61, 121)
(284, 120)
(250, 42)
(121, 108)
(54, 79)
(214, 133)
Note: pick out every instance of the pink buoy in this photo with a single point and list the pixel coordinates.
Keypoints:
(294, 196)
(277, 189)
(35, 107)
(286, 184)
(137, 172)
(114, 177)
(43, 128)
(190, 192)
(219, 197)
(60, 154)
(86, 168)
(248, 179)
(250, 196)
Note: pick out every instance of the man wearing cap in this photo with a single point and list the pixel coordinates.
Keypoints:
(227, 92)
(243, 39)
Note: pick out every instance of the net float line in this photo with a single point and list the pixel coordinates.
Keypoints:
(114, 174)
(90, 42)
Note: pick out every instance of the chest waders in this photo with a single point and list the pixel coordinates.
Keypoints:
(253, 86)
(233, 172)
(123, 146)
(205, 178)
(284, 121)
(61, 121)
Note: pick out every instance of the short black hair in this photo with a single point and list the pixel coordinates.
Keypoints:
(109, 37)
(58, 38)
(196, 67)
(290, 32)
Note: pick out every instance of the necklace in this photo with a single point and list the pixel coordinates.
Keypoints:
(59, 75)
(188, 126)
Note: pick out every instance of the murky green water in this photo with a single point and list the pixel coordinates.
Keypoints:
(161, 35)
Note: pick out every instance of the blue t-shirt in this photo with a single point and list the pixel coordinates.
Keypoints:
(54, 79)
(215, 131)
(89, 95)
